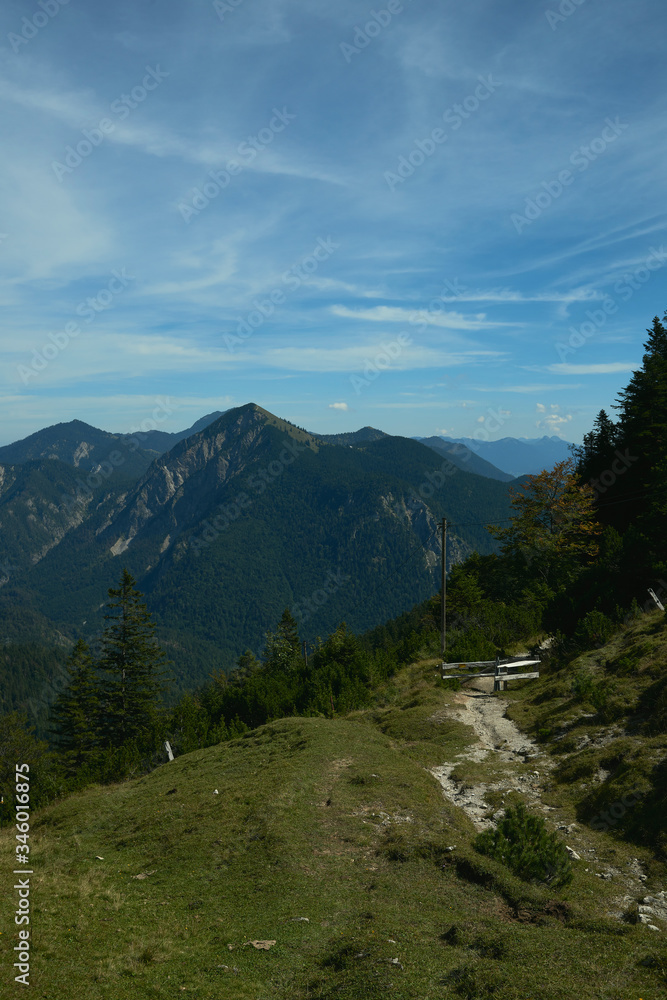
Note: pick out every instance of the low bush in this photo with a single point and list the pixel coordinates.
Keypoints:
(594, 629)
(524, 845)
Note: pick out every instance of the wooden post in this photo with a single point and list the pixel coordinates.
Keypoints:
(656, 599)
(443, 610)
(498, 685)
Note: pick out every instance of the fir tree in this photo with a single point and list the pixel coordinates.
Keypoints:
(132, 663)
(597, 451)
(643, 403)
(283, 647)
(75, 712)
(643, 424)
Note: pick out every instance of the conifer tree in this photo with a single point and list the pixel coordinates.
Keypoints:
(643, 403)
(132, 663)
(597, 450)
(76, 710)
(283, 647)
(643, 426)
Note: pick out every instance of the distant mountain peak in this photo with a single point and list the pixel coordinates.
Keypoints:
(520, 456)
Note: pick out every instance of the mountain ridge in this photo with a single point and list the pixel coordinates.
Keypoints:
(247, 516)
(519, 456)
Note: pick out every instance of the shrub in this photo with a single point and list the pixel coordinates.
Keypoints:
(523, 844)
(594, 629)
(583, 686)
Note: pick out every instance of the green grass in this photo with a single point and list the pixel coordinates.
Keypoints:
(602, 718)
(337, 821)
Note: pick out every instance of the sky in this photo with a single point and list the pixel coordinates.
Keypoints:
(430, 218)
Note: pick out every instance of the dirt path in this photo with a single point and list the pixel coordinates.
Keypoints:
(500, 740)
(520, 765)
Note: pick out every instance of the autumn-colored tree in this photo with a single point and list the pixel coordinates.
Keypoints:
(554, 530)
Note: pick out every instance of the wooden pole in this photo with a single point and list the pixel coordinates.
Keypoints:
(443, 610)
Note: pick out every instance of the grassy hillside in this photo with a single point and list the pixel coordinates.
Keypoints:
(603, 719)
(331, 838)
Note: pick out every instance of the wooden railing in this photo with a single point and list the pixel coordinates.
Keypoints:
(499, 672)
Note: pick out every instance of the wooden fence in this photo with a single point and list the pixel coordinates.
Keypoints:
(499, 672)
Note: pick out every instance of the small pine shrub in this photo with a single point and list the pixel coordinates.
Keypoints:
(583, 686)
(524, 845)
(594, 629)
(624, 666)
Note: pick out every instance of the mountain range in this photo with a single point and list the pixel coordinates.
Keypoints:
(244, 514)
(518, 456)
(86, 448)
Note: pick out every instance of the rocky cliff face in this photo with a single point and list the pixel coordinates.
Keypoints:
(183, 486)
(32, 518)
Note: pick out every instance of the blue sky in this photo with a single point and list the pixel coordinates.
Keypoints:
(427, 217)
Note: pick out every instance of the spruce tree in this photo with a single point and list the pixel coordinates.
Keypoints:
(283, 647)
(75, 711)
(132, 663)
(597, 451)
(643, 403)
(643, 426)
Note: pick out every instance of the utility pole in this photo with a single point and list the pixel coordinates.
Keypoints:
(443, 611)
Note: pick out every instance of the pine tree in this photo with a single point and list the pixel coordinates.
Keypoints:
(283, 647)
(643, 427)
(132, 663)
(643, 403)
(75, 712)
(597, 451)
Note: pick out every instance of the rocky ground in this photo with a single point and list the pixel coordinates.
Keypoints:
(525, 768)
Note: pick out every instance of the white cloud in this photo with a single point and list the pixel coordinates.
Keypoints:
(501, 295)
(338, 406)
(355, 357)
(553, 420)
(414, 317)
(606, 368)
(537, 387)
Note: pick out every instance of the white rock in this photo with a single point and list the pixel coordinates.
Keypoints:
(573, 854)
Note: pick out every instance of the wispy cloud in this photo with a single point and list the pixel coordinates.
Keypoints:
(605, 368)
(415, 317)
(528, 388)
(437, 261)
